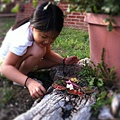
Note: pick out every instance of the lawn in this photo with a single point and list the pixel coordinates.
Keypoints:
(72, 42)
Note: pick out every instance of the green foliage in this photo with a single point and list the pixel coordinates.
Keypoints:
(109, 7)
(15, 9)
(6, 1)
(99, 76)
(34, 3)
(110, 22)
(107, 74)
(101, 101)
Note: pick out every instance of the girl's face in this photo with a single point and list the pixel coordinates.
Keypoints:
(43, 39)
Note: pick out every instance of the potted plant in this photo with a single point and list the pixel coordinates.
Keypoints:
(103, 19)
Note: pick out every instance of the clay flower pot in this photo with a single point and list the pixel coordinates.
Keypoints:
(101, 38)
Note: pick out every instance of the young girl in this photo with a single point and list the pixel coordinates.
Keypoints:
(27, 45)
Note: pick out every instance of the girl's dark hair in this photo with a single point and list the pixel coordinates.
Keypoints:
(46, 17)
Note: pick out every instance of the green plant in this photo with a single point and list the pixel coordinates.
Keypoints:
(98, 75)
(17, 6)
(101, 100)
(101, 77)
(108, 7)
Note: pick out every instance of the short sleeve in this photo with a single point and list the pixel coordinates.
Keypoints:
(21, 40)
(19, 49)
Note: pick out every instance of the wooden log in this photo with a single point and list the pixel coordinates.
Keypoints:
(58, 104)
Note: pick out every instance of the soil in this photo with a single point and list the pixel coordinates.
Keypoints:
(19, 103)
(15, 99)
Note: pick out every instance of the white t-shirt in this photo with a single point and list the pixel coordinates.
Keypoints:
(17, 41)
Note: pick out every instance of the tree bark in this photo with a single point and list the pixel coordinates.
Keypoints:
(60, 105)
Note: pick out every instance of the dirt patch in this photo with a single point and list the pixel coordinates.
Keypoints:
(19, 103)
(15, 99)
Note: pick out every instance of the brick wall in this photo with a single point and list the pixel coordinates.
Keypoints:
(73, 20)
(28, 9)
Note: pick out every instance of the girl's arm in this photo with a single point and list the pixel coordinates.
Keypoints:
(9, 70)
(54, 57)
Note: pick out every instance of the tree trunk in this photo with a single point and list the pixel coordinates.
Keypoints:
(60, 105)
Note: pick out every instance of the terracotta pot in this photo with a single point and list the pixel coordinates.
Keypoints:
(101, 38)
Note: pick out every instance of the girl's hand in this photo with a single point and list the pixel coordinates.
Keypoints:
(71, 60)
(35, 88)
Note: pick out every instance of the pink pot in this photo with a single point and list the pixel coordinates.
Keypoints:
(101, 38)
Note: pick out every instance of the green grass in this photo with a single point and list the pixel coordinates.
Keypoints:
(5, 24)
(72, 42)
